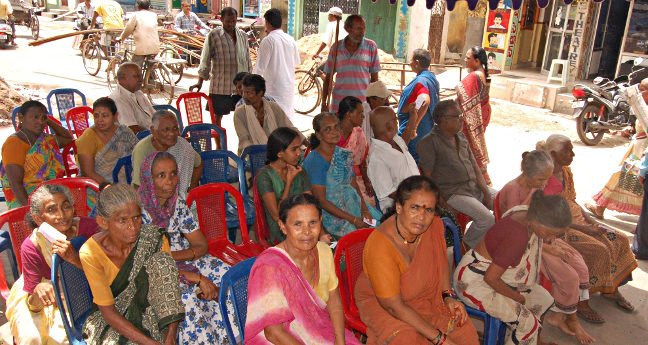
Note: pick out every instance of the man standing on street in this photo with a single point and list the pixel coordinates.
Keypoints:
(186, 21)
(276, 62)
(111, 12)
(357, 63)
(143, 26)
(134, 108)
(224, 54)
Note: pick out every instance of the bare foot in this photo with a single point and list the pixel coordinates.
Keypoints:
(581, 335)
(558, 320)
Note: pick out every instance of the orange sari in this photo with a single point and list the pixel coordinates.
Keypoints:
(420, 283)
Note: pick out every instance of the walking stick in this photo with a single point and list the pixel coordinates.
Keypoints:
(329, 90)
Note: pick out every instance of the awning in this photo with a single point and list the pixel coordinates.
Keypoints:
(472, 4)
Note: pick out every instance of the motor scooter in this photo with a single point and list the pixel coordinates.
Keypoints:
(5, 34)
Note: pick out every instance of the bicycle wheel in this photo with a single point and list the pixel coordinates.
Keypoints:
(111, 72)
(172, 59)
(158, 84)
(92, 58)
(308, 92)
(34, 25)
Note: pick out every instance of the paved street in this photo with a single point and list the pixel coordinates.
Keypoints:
(513, 130)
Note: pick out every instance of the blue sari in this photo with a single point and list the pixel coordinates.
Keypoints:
(429, 81)
(339, 191)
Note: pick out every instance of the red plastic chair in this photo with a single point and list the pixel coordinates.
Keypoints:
(77, 119)
(78, 186)
(351, 246)
(193, 106)
(210, 202)
(69, 153)
(19, 229)
(260, 221)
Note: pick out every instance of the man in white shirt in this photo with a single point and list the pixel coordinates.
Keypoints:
(328, 37)
(143, 25)
(134, 108)
(278, 56)
(377, 96)
(389, 159)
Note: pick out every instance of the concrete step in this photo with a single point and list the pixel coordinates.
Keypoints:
(49, 14)
(563, 103)
(59, 11)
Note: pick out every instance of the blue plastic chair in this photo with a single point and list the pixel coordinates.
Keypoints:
(127, 164)
(234, 286)
(65, 100)
(14, 117)
(172, 109)
(254, 157)
(200, 136)
(494, 329)
(143, 134)
(76, 305)
(216, 168)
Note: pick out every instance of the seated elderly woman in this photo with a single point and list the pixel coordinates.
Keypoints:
(281, 177)
(199, 271)
(606, 251)
(133, 278)
(100, 146)
(404, 295)
(330, 169)
(561, 263)
(499, 276)
(31, 309)
(31, 156)
(293, 295)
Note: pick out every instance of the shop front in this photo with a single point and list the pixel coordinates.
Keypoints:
(635, 40)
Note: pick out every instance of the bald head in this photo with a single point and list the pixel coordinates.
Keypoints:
(383, 122)
(643, 86)
(129, 76)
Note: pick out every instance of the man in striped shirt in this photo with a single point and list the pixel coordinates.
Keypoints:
(357, 63)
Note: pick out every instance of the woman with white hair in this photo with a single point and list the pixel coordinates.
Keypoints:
(606, 251)
(33, 315)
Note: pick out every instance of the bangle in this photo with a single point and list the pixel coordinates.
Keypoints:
(448, 293)
(31, 307)
(445, 336)
(193, 254)
(436, 339)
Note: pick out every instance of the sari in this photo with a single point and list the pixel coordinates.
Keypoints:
(278, 293)
(607, 253)
(420, 288)
(429, 81)
(473, 99)
(43, 162)
(145, 291)
(523, 321)
(357, 143)
(120, 145)
(339, 191)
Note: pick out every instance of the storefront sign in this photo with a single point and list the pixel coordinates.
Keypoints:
(515, 26)
(577, 38)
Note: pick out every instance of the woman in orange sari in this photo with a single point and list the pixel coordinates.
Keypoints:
(404, 295)
(474, 100)
(606, 251)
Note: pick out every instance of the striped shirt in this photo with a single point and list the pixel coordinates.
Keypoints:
(188, 24)
(353, 71)
(219, 58)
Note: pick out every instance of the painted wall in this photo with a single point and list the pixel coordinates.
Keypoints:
(419, 24)
(401, 29)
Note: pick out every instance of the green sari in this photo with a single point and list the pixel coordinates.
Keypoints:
(146, 292)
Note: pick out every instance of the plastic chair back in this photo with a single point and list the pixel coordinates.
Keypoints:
(260, 222)
(216, 168)
(127, 164)
(351, 247)
(69, 162)
(14, 117)
(496, 210)
(73, 293)
(234, 287)
(193, 107)
(19, 229)
(64, 100)
(81, 189)
(171, 109)
(78, 120)
(200, 136)
(143, 134)
(254, 157)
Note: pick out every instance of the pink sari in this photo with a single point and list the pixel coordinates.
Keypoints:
(357, 143)
(278, 293)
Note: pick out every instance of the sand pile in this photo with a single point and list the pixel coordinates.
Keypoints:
(11, 100)
(308, 45)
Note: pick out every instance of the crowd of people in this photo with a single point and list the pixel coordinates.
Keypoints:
(367, 166)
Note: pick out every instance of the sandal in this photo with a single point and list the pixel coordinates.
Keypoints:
(620, 301)
(590, 316)
(593, 209)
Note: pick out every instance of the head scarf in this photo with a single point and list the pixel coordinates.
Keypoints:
(160, 214)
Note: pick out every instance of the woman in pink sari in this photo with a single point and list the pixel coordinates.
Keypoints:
(293, 295)
(474, 100)
(352, 138)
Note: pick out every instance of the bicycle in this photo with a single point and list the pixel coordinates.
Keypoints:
(158, 82)
(92, 53)
(308, 88)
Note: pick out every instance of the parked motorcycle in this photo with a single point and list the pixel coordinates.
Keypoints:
(605, 107)
(5, 34)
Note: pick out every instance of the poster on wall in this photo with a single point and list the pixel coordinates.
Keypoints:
(497, 28)
(495, 62)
